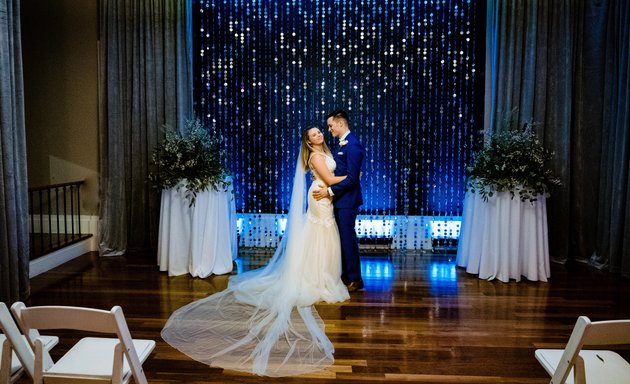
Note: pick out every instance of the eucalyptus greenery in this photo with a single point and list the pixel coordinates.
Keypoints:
(514, 161)
(193, 158)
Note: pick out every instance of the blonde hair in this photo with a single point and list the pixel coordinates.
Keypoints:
(307, 148)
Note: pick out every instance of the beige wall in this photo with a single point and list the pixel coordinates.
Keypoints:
(60, 61)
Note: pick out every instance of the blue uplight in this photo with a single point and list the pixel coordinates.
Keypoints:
(378, 273)
(443, 278)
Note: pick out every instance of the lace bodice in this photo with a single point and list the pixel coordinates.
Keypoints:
(330, 164)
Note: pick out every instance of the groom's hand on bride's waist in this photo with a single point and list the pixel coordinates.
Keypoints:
(321, 193)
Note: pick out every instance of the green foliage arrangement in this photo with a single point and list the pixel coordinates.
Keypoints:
(193, 158)
(514, 161)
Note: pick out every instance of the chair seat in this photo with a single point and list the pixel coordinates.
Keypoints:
(94, 356)
(49, 342)
(613, 368)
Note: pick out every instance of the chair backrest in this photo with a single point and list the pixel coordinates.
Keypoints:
(587, 333)
(82, 319)
(11, 331)
(6, 370)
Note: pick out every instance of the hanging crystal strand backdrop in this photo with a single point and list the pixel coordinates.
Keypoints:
(405, 72)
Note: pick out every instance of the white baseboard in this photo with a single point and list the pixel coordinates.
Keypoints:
(89, 225)
(63, 255)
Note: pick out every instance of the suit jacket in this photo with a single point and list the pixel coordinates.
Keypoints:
(349, 159)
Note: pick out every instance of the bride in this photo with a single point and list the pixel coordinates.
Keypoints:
(265, 321)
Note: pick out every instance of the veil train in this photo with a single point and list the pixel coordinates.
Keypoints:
(264, 322)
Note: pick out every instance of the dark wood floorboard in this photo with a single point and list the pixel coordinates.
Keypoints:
(420, 319)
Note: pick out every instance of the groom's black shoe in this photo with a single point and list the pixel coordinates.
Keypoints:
(355, 285)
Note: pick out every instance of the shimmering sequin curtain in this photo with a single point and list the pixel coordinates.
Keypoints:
(146, 80)
(14, 235)
(406, 71)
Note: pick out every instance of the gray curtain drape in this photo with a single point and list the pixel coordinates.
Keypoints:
(14, 242)
(565, 64)
(146, 82)
(529, 67)
(613, 219)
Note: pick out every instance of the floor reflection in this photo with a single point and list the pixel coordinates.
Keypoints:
(381, 272)
(442, 277)
(378, 273)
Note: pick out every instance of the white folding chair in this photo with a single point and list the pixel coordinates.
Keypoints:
(576, 365)
(10, 366)
(95, 359)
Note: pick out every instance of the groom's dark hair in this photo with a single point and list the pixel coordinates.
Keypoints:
(338, 114)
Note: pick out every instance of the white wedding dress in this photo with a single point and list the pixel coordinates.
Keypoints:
(265, 322)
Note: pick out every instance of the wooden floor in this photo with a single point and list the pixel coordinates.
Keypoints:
(419, 319)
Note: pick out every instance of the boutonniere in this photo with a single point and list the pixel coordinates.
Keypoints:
(343, 142)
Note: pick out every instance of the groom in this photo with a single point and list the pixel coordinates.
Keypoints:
(347, 196)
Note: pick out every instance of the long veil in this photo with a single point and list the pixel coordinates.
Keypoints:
(264, 322)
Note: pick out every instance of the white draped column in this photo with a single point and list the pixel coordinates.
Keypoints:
(199, 239)
(504, 238)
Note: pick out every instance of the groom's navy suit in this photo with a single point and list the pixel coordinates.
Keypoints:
(347, 198)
